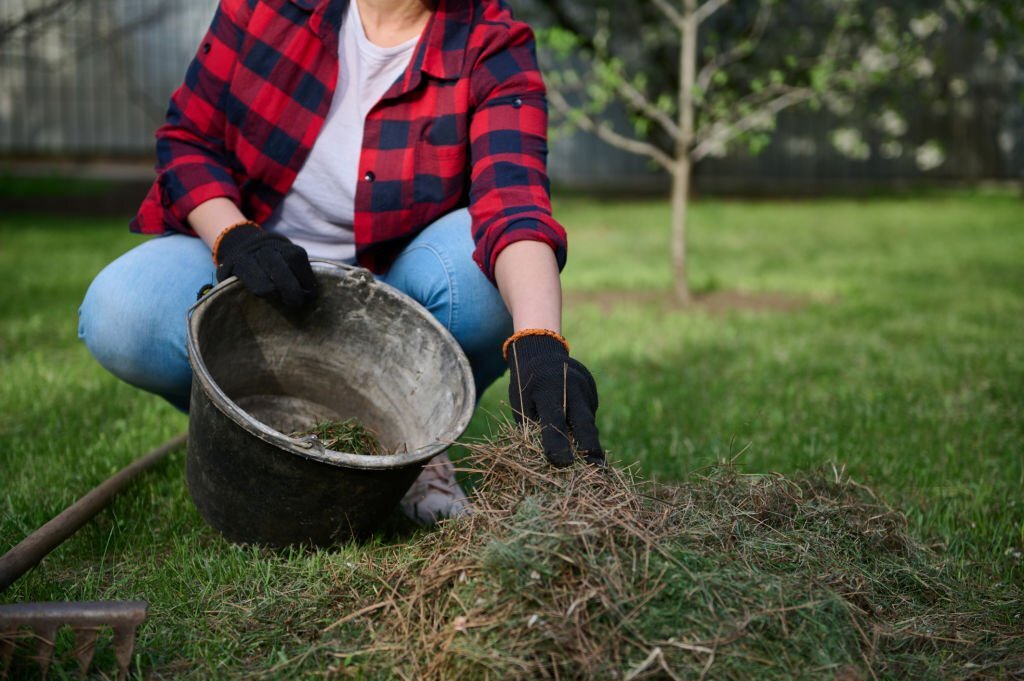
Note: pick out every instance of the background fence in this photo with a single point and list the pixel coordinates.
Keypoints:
(91, 78)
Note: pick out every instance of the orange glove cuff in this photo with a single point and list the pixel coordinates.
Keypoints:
(532, 332)
(216, 244)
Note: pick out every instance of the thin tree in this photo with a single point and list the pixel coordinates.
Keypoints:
(738, 64)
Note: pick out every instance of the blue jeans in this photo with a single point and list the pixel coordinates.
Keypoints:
(133, 316)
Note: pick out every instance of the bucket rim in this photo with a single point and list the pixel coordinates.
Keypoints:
(311, 448)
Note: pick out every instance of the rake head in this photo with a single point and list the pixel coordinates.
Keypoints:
(85, 618)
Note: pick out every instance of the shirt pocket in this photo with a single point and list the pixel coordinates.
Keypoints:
(441, 159)
(442, 138)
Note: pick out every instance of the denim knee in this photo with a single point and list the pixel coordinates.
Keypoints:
(132, 318)
(117, 334)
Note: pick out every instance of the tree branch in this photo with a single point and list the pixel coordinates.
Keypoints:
(762, 101)
(604, 132)
(749, 102)
(635, 97)
(707, 9)
(671, 12)
(566, 21)
(707, 73)
(724, 133)
(31, 17)
(641, 102)
(661, 65)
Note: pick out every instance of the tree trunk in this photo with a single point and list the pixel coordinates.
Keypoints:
(681, 170)
(680, 202)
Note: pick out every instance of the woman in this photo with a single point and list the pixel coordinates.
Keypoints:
(406, 135)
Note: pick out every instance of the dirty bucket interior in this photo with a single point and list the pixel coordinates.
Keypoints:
(361, 350)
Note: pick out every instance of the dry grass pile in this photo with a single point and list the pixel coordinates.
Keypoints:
(591, 573)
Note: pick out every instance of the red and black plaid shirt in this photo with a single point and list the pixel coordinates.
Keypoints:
(465, 124)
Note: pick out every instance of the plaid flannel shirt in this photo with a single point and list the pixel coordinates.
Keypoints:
(465, 124)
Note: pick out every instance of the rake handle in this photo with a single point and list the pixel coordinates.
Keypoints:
(33, 548)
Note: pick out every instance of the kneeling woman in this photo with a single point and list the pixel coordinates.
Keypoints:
(408, 136)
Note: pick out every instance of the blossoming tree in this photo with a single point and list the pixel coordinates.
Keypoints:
(699, 78)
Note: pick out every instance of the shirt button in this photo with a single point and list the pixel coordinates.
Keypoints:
(517, 102)
(369, 176)
(206, 48)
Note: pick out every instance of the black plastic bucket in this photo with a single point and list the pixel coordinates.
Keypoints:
(261, 371)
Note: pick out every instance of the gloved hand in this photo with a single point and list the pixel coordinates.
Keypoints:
(551, 388)
(268, 264)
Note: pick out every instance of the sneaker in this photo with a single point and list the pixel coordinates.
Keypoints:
(435, 495)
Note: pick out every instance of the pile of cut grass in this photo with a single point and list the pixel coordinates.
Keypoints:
(595, 573)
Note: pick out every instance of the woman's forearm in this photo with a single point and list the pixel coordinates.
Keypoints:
(527, 277)
(526, 271)
(212, 217)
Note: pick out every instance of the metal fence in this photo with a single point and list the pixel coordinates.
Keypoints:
(963, 125)
(981, 138)
(91, 78)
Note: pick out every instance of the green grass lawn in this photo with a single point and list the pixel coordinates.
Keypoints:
(899, 357)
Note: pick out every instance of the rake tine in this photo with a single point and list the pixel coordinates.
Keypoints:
(124, 644)
(85, 647)
(46, 634)
(8, 637)
(85, 617)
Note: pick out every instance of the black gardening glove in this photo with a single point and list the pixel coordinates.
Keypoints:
(551, 388)
(268, 264)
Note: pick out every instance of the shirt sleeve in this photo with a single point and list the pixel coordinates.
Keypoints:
(193, 164)
(509, 196)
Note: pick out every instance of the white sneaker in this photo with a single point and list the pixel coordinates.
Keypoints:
(435, 495)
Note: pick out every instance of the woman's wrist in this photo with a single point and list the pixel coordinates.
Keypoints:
(224, 232)
(545, 333)
(527, 276)
(213, 217)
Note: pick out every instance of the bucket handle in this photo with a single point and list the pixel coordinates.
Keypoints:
(350, 270)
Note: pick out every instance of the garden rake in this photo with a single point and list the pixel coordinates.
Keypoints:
(85, 618)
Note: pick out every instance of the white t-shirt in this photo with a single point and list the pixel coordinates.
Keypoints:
(317, 212)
